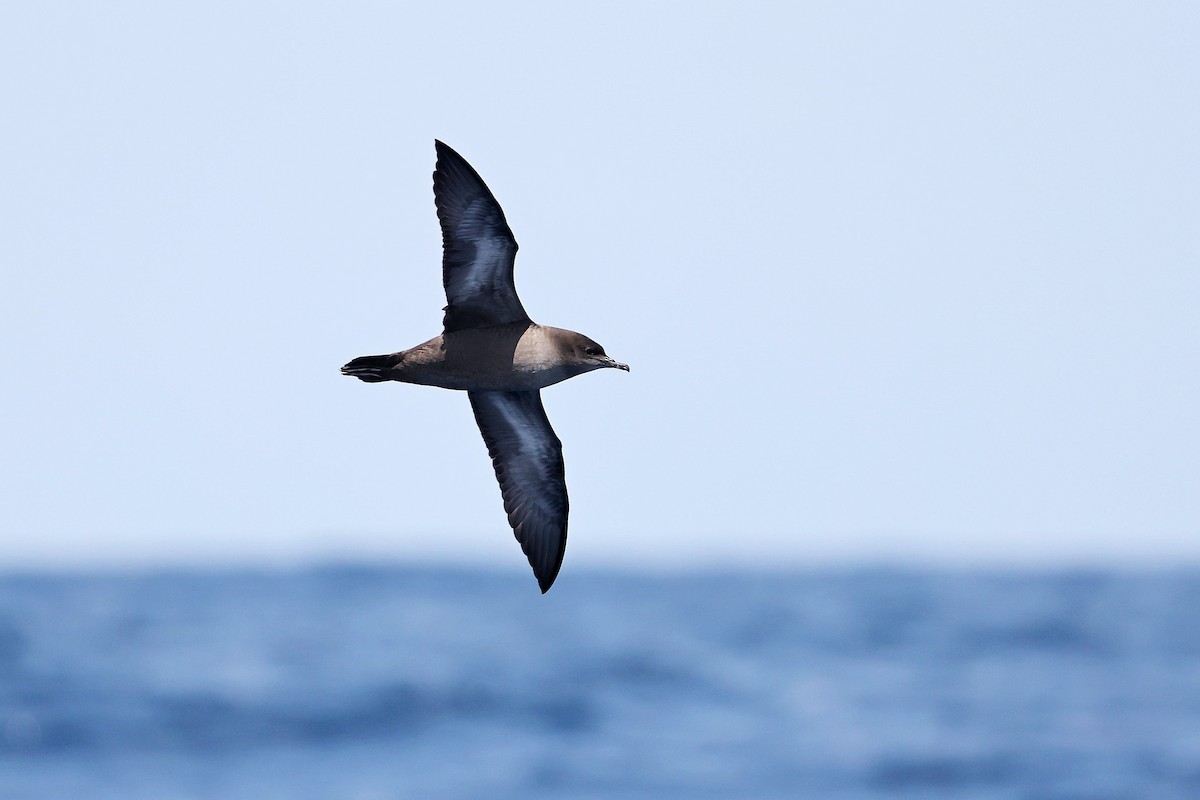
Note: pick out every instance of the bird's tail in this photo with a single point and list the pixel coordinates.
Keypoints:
(372, 369)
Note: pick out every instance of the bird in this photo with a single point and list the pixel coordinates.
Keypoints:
(492, 350)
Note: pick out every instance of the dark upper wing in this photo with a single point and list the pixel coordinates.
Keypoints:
(478, 248)
(529, 465)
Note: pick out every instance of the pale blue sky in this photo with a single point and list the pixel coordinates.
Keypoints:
(913, 281)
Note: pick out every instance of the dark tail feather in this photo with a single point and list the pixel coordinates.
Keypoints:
(372, 369)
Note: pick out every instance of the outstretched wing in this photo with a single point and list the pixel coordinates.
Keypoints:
(478, 249)
(528, 459)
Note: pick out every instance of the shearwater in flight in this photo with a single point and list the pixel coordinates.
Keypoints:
(491, 349)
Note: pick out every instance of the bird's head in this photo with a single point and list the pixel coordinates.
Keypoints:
(590, 354)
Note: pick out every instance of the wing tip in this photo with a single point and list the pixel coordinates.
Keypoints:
(446, 153)
(546, 580)
(546, 571)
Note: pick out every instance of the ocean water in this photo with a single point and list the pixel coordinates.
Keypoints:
(374, 683)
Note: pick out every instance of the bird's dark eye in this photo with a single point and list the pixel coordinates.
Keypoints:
(593, 351)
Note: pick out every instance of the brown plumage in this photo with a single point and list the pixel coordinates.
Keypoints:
(490, 348)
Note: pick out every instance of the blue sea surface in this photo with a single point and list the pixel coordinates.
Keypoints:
(388, 683)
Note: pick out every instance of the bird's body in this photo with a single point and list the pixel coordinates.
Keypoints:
(490, 348)
(518, 357)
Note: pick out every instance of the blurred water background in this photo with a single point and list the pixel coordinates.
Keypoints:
(405, 682)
